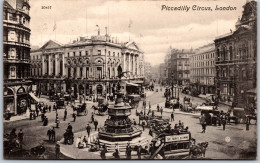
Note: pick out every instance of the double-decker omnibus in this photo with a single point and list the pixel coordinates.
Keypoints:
(172, 145)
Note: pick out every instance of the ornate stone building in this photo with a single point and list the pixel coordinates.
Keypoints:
(236, 57)
(203, 69)
(86, 67)
(16, 55)
(147, 71)
(180, 66)
(162, 72)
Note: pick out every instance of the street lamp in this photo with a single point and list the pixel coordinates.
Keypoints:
(172, 86)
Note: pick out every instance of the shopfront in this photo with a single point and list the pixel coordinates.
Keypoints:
(22, 101)
(9, 101)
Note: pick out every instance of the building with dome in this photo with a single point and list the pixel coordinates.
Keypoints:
(236, 59)
(16, 55)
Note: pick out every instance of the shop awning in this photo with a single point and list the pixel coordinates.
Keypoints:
(34, 97)
(132, 84)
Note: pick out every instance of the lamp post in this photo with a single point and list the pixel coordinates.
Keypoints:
(172, 86)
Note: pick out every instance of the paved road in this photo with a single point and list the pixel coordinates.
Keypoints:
(242, 143)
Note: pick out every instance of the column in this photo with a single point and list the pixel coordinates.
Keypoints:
(77, 72)
(124, 62)
(134, 64)
(15, 101)
(57, 65)
(130, 62)
(72, 71)
(92, 68)
(105, 69)
(65, 71)
(84, 73)
(137, 64)
(50, 65)
(43, 65)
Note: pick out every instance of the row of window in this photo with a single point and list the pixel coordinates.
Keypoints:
(210, 71)
(239, 53)
(205, 63)
(15, 18)
(16, 36)
(242, 74)
(37, 57)
(204, 56)
(204, 80)
(227, 89)
(86, 53)
(16, 53)
(16, 72)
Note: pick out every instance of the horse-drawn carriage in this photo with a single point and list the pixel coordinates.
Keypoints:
(102, 106)
(172, 102)
(81, 109)
(60, 103)
(211, 117)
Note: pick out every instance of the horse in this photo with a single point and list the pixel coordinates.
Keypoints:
(199, 150)
(95, 108)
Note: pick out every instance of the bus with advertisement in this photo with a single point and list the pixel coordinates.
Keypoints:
(172, 145)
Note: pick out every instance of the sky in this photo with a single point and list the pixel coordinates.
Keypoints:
(153, 29)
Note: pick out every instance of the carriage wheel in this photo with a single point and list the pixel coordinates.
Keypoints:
(86, 112)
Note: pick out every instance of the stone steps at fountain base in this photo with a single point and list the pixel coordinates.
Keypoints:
(143, 141)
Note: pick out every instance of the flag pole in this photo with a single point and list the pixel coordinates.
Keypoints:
(129, 32)
(129, 26)
(55, 27)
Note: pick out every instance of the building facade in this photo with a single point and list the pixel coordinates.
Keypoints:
(180, 66)
(147, 71)
(236, 57)
(88, 67)
(162, 73)
(203, 69)
(16, 55)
